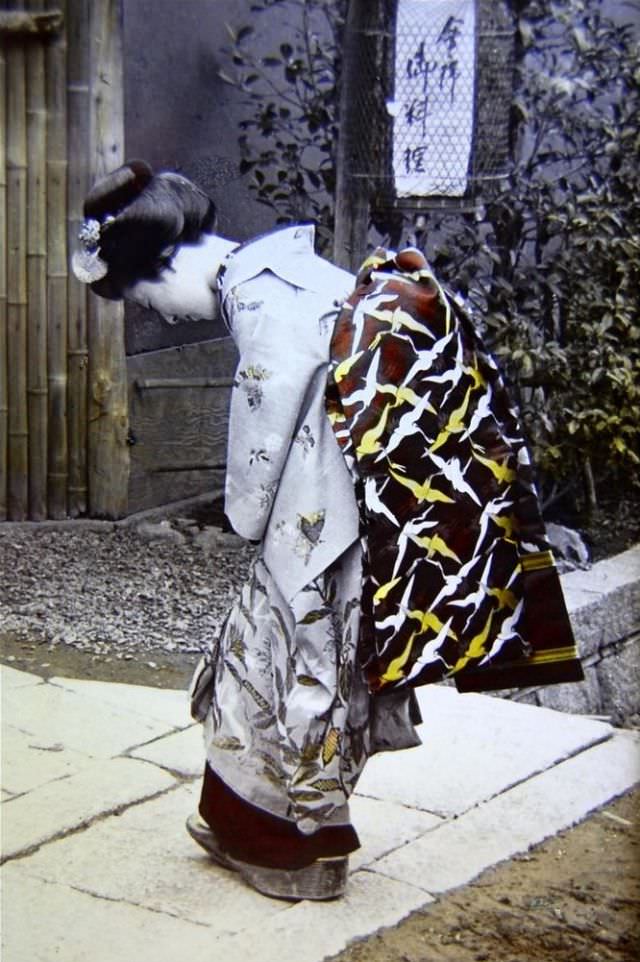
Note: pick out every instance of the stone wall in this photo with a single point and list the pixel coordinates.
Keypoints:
(604, 605)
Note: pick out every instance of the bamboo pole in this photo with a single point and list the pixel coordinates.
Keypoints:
(108, 418)
(36, 276)
(18, 491)
(77, 19)
(4, 398)
(56, 67)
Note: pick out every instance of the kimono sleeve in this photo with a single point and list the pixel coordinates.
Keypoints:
(281, 348)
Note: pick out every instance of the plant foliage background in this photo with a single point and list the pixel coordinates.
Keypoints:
(549, 262)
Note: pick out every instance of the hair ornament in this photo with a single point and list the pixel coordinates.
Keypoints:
(86, 263)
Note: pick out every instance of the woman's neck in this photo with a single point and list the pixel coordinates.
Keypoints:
(186, 289)
(205, 257)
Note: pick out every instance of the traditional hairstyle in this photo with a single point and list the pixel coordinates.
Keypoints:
(134, 221)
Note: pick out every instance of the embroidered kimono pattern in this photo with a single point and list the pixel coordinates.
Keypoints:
(459, 578)
(286, 709)
(288, 721)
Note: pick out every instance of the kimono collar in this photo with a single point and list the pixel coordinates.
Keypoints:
(287, 252)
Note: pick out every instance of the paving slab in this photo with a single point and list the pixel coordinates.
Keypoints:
(27, 763)
(13, 678)
(164, 705)
(492, 778)
(385, 826)
(182, 752)
(146, 858)
(474, 747)
(77, 721)
(459, 850)
(312, 931)
(45, 921)
(68, 803)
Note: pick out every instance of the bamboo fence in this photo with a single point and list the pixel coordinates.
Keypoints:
(63, 388)
(36, 116)
(16, 153)
(78, 20)
(56, 177)
(4, 390)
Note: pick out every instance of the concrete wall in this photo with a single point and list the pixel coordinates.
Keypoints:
(604, 605)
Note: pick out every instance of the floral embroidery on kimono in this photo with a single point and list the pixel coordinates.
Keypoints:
(250, 381)
(288, 723)
(305, 438)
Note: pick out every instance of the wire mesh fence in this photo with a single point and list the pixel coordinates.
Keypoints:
(430, 115)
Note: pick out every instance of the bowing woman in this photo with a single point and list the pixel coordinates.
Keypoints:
(374, 456)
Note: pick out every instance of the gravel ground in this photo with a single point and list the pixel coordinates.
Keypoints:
(139, 600)
(112, 593)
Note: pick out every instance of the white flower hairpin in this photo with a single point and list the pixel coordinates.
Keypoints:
(86, 263)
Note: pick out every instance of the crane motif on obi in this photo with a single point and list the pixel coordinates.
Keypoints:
(459, 576)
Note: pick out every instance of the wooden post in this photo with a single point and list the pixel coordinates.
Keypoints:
(4, 397)
(18, 493)
(108, 417)
(352, 193)
(77, 19)
(37, 275)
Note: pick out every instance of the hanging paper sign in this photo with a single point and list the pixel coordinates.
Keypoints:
(433, 105)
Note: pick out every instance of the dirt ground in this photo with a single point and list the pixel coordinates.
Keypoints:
(159, 669)
(575, 898)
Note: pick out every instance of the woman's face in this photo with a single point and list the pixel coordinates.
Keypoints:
(186, 289)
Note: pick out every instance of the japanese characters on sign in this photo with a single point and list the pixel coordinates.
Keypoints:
(433, 104)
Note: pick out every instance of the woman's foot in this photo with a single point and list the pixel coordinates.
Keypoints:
(324, 879)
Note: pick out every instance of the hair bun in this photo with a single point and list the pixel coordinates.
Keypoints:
(114, 192)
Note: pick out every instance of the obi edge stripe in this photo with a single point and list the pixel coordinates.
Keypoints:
(537, 560)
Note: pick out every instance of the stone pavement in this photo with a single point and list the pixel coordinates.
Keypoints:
(97, 780)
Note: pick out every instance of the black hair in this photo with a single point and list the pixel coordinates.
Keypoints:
(144, 217)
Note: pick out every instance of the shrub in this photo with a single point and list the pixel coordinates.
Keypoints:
(549, 263)
(554, 264)
(290, 132)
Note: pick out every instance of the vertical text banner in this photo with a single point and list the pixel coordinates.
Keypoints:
(433, 105)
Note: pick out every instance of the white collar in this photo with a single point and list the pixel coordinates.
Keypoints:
(287, 252)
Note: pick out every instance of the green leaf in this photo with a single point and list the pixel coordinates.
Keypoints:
(312, 616)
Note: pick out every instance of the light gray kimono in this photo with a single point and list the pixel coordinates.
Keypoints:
(287, 714)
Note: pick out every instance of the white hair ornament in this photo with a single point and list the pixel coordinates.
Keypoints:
(86, 263)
